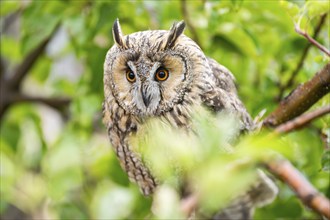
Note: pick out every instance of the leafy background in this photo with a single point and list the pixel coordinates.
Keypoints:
(57, 163)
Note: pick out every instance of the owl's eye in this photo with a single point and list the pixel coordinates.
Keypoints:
(161, 74)
(130, 76)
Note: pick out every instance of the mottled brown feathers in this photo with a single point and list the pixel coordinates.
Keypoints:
(193, 80)
(117, 34)
(176, 30)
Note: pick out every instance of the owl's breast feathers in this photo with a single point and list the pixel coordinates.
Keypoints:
(120, 126)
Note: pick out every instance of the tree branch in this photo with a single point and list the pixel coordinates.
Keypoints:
(189, 204)
(312, 40)
(10, 87)
(2, 67)
(284, 170)
(302, 59)
(57, 103)
(301, 99)
(22, 70)
(302, 120)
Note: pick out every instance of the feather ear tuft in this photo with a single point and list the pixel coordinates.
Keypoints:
(117, 34)
(175, 32)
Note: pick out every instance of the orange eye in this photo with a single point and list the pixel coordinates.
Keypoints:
(161, 74)
(130, 76)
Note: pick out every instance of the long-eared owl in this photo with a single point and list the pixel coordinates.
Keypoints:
(163, 74)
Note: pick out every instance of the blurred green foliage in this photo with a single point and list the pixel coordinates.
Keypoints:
(61, 166)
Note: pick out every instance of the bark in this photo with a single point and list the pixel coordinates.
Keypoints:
(302, 59)
(302, 120)
(301, 99)
(284, 170)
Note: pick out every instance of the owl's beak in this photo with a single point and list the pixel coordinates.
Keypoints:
(145, 97)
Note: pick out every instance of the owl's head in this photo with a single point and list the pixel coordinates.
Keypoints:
(149, 72)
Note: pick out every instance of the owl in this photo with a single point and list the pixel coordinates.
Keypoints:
(164, 74)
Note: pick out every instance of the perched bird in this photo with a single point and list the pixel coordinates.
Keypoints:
(164, 74)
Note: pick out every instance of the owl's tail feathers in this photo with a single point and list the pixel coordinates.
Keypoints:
(260, 194)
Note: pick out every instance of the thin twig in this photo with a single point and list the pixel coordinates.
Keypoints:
(189, 204)
(302, 120)
(57, 103)
(285, 171)
(301, 99)
(188, 22)
(312, 40)
(302, 59)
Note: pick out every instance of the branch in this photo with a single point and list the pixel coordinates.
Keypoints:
(302, 120)
(3, 67)
(312, 40)
(188, 22)
(58, 103)
(10, 87)
(301, 99)
(286, 172)
(302, 59)
(10, 19)
(304, 190)
(189, 204)
(22, 70)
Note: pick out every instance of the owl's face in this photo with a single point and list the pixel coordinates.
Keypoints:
(151, 71)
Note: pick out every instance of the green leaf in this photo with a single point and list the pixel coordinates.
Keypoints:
(85, 109)
(111, 201)
(7, 7)
(325, 161)
(8, 171)
(290, 7)
(41, 69)
(38, 25)
(10, 48)
(71, 210)
(239, 37)
(62, 167)
(317, 7)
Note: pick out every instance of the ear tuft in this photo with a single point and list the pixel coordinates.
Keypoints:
(175, 32)
(117, 34)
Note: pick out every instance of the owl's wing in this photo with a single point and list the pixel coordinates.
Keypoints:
(261, 193)
(223, 95)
